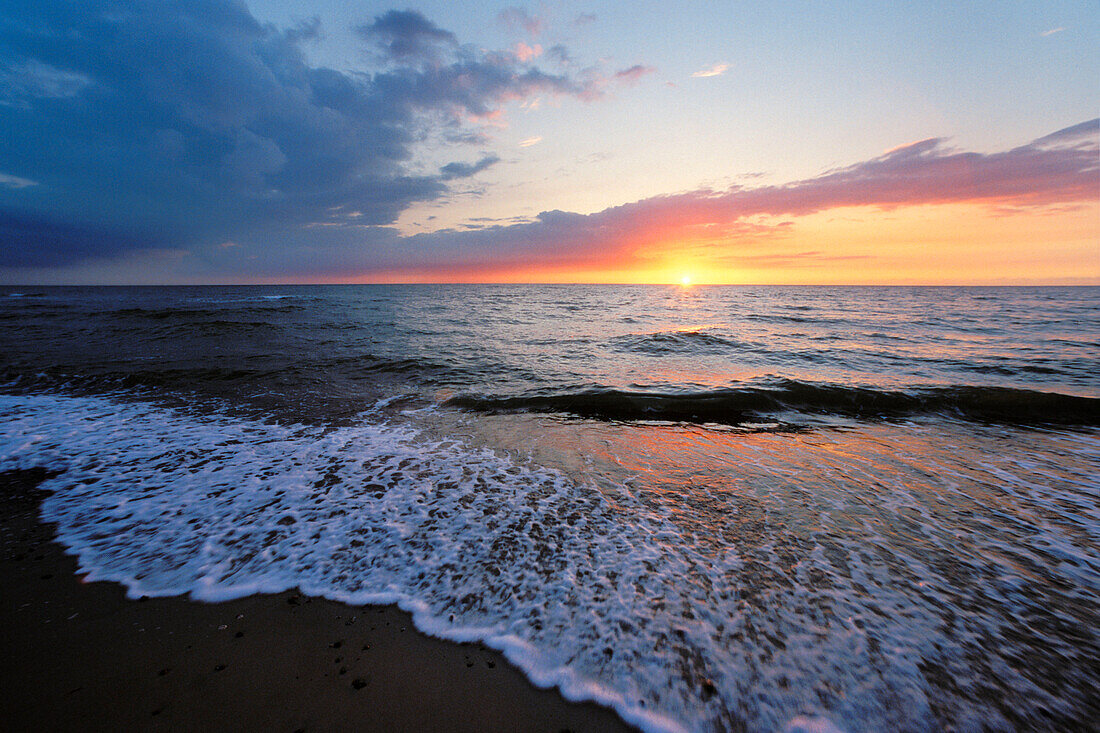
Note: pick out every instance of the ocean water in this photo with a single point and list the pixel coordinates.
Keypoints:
(711, 508)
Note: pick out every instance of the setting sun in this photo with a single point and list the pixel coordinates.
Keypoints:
(685, 281)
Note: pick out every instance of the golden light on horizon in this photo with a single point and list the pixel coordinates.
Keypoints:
(943, 244)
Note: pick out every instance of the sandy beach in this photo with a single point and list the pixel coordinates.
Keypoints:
(81, 656)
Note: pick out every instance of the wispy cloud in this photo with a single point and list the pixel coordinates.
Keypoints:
(530, 141)
(518, 18)
(716, 70)
(465, 170)
(1052, 31)
(634, 73)
(15, 181)
(24, 81)
(559, 54)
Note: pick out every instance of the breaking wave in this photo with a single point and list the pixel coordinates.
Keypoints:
(736, 405)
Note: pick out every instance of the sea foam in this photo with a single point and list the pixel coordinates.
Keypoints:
(477, 548)
(865, 600)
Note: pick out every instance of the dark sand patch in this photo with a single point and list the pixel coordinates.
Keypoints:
(81, 656)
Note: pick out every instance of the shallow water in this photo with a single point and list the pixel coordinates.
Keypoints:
(711, 508)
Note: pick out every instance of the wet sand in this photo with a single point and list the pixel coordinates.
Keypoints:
(81, 656)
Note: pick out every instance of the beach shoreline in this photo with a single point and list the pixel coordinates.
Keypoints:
(83, 656)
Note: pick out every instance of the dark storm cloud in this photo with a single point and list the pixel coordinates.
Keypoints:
(57, 243)
(187, 123)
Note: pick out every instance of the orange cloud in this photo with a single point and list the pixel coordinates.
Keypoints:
(525, 53)
(919, 212)
(716, 70)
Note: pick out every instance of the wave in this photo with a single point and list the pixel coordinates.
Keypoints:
(1009, 371)
(142, 383)
(251, 299)
(310, 380)
(664, 342)
(194, 312)
(781, 318)
(736, 405)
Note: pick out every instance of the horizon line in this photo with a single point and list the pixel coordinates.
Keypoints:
(683, 286)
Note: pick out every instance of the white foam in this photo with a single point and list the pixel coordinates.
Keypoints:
(821, 618)
(804, 724)
(216, 508)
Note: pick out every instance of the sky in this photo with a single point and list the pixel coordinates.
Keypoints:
(267, 141)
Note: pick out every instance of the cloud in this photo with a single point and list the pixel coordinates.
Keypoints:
(466, 137)
(1081, 136)
(1051, 32)
(406, 35)
(465, 170)
(1057, 169)
(50, 243)
(517, 18)
(584, 19)
(634, 73)
(754, 226)
(559, 54)
(716, 70)
(525, 53)
(184, 124)
(31, 78)
(439, 73)
(530, 141)
(16, 181)
(304, 31)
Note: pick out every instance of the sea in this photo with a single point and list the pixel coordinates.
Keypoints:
(717, 508)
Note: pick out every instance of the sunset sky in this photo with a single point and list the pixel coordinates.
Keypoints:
(206, 141)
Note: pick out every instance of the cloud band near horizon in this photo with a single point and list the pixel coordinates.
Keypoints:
(1061, 168)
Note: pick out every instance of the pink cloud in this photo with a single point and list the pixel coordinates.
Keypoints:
(633, 74)
(525, 53)
(740, 225)
(716, 70)
(1059, 169)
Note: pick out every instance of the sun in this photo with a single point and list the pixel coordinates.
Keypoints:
(685, 281)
